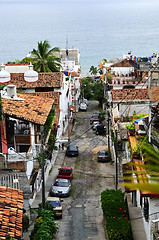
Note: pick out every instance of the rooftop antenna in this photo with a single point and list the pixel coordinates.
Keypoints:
(66, 53)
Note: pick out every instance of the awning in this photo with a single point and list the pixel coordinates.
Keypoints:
(140, 119)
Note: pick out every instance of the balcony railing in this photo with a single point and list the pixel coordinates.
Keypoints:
(22, 139)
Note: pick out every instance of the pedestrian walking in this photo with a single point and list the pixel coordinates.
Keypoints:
(62, 146)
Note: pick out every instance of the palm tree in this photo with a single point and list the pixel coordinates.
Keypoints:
(93, 70)
(150, 167)
(44, 60)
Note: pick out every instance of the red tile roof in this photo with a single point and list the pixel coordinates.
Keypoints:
(75, 74)
(34, 108)
(53, 79)
(53, 95)
(11, 212)
(129, 94)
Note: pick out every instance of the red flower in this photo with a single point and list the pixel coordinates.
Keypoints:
(111, 230)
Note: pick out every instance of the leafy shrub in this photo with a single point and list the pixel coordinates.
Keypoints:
(116, 215)
(131, 127)
(118, 228)
(44, 227)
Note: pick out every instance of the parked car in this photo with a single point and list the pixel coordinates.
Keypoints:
(95, 124)
(61, 188)
(83, 106)
(85, 101)
(100, 129)
(65, 172)
(56, 202)
(72, 151)
(94, 118)
(96, 113)
(103, 156)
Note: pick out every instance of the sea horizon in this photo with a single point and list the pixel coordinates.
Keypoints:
(98, 29)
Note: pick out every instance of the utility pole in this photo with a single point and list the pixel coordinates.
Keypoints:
(108, 132)
(43, 170)
(68, 125)
(116, 153)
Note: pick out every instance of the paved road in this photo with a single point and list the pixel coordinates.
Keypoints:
(82, 214)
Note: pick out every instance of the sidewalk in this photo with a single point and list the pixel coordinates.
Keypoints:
(51, 178)
(137, 225)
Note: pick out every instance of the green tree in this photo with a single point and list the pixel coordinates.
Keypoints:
(100, 71)
(44, 61)
(93, 70)
(27, 60)
(104, 59)
(86, 87)
(98, 92)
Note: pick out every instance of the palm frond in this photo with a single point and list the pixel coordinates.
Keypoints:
(149, 187)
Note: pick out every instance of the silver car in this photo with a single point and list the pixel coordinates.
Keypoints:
(61, 188)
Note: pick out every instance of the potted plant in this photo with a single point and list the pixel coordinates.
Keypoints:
(131, 128)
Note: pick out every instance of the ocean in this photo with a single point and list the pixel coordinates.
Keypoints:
(98, 28)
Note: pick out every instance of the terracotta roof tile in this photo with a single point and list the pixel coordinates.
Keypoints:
(75, 74)
(129, 94)
(34, 109)
(53, 79)
(53, 95)
(10, 217)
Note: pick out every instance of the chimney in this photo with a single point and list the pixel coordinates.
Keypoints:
(11, 91)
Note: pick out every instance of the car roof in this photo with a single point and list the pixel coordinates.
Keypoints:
(102, 151)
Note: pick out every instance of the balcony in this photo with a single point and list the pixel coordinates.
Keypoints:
(22, 139)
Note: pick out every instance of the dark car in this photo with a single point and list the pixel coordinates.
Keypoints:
(94, 118)
(60, 188)
(65, 172)
(100, 129)
(72, 151)
(103, 156)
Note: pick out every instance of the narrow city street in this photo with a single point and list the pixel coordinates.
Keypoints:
(82, 214)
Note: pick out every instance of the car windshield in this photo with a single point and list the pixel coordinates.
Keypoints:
(103, 153)
(61, 184)
(55, 203)
(96, 117)
(65, 171)
(72, 148)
